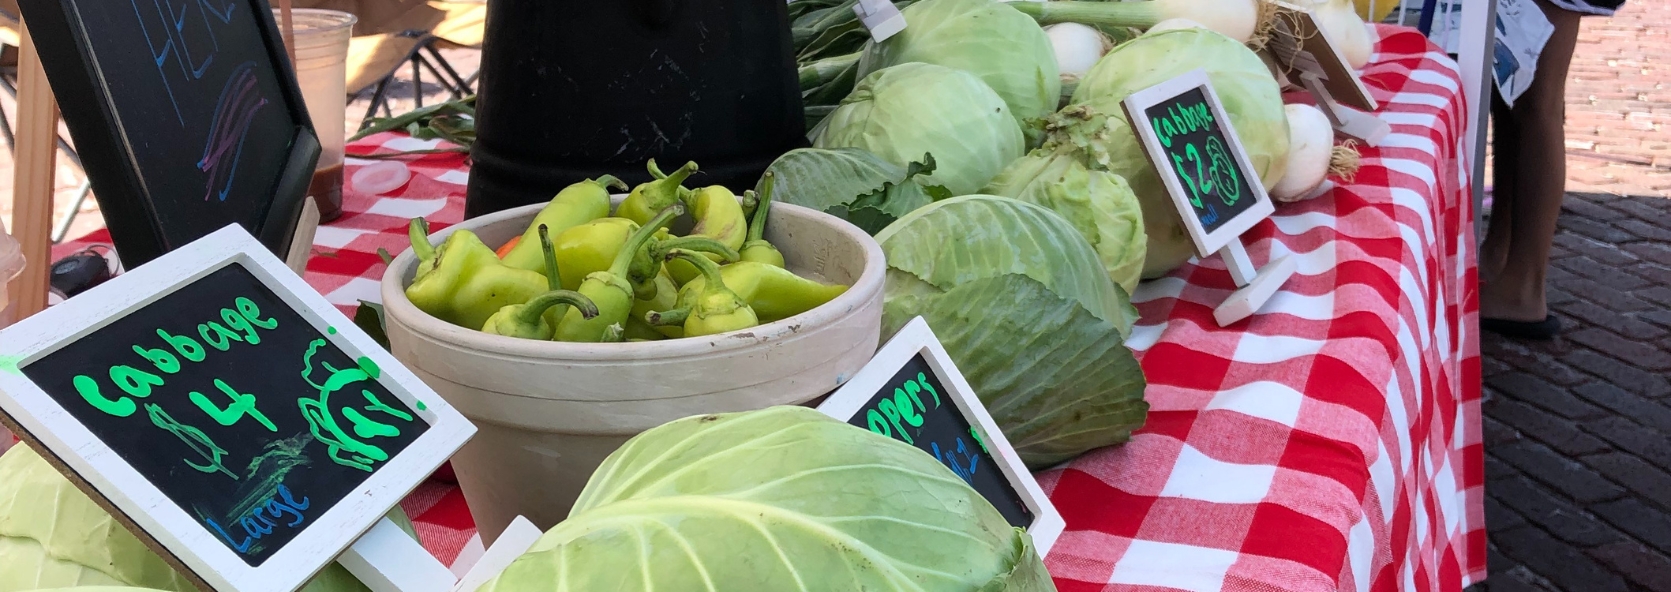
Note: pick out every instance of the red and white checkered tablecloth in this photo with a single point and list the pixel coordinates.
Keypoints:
(1331, 442)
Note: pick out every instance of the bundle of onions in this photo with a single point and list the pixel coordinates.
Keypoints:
(1237, 19)
(1312, 155)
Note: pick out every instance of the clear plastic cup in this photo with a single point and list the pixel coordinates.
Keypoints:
(322, 38)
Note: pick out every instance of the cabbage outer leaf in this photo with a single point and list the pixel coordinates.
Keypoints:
(952, 242)
(784, 498)
(1099, 204)
(903, 112)
(1057, 380)
(1008, 50)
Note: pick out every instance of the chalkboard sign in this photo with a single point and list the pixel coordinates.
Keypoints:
(265, 430)
(912, 392)
(1193, 146)
(185, 113)
(912, 409)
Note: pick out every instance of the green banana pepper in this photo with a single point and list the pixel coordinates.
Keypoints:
(773, 292)
(666, 297)
(649, 198)
(610, 288)
(527, 321)
(575, 205)
(719, 216)
(715, 309)
(462, 281)
(755, 247)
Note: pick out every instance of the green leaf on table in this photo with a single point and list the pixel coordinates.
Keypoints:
(369, 318)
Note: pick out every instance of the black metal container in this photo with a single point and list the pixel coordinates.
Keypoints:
(573, 90)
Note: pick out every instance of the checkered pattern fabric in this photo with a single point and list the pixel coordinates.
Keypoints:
(1330, 442)
(1333, 441)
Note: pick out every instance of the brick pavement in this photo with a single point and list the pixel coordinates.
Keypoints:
(1578, 430)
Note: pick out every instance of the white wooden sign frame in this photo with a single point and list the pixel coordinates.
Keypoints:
(1206, 243)
(166, 527)
(916, 338)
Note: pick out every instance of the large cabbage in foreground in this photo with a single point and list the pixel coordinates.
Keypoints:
(53, 536)
(785, 498)
(1028, 314)
(1244, 85)
(1003, 47)
(906, 111)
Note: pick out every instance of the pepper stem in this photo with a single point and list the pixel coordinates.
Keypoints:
(713, 281)
(757, 226)
(623, 260)
(667, 318)
(704, 244)
(553, 281)
(611, 181)
(530, 313)
(418, 232)
(655, 171)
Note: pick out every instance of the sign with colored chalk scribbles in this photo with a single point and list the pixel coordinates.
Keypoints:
(186, 116)
(233, 406)
(912, 392)
(227, 414)
(911, 409)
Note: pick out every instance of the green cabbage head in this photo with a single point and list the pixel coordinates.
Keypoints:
(53, 536)
(903, 112)
(1099, 204)
(1029, 315)
(784, 498)
(1003, 47)
(1244, 85)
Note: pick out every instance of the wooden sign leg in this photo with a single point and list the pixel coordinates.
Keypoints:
(36, 163)
(301, 243)
(511, 544)
(1256, 288)
(387, 560)
(1351, 122)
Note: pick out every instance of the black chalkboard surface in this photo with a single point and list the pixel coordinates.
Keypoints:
(1193, 141)
(185, 113)
(914, 407)
(235, 407)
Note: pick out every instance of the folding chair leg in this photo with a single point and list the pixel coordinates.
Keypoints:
(463, 85)
(451, 88)
(63, 227)
(417, 82)
(377, 98)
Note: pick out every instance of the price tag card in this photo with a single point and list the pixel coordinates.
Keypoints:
(1301, 48)
(911, 392)
(1190, 141)
(225, 412)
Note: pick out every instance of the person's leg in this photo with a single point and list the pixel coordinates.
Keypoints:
(1538, 184)
(1505, 147)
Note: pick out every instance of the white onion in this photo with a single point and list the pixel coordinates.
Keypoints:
(1310, 140)
(1346, 29)
(1078, 48)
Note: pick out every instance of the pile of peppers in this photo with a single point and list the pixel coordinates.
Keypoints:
(579, 273)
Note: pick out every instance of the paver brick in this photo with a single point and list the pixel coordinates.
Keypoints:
(1558, 516)
(1603, 232)
(1649, 444)
(1531, 389)
(1563, 474)
(1650, 251)
(1562, 564)
(1497, 469)
(1660, 295)
(1613, 299)
(1608, 253)
(1626, 325)
(1643, 355)
(1639, 520)
(1645, 480)
(1643, 411)
(1607, 275)
(1647, 568)
(1658, 317)
(1619, 374)
(1583, 205)
(1645, 230)
(1499, 516)
(1655, 274)
(1557, 432)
